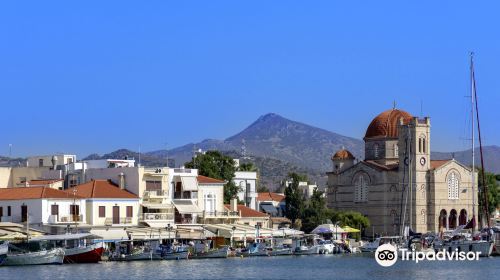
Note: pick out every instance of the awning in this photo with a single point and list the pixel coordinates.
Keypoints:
(240, 231)
(110, 235)
(186, 206)
(269, 209)
(157, 206)
(66, 236)
(328, 228)
(189, 183)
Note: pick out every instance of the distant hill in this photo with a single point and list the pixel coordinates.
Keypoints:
(491, 157)
(273, 136)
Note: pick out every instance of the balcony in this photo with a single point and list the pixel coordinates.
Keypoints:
(155, 194)
(157, 217)
(220, 214)
(56, 219)
(120, 221)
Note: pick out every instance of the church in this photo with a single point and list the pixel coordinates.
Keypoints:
(397, 156)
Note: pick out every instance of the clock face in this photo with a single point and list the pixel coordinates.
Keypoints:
(422, 161)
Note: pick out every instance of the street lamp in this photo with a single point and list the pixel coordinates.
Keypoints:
(169, 228)
(232, 236)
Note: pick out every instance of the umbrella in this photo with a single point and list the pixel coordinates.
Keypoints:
(349, 229)
(328, 228)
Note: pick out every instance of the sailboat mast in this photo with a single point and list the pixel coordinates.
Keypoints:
(483, 179)
(472, 137)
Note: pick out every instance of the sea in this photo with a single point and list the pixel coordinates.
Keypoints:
(354, 266)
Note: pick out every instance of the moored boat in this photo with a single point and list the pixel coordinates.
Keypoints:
(216, 253)
(4, 249)
(54, 256)
(78, 248)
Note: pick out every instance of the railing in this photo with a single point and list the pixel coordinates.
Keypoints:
(122, 221)
(182, 170)
(214, 214)
(157, 216)
(53, 219)
(155, 193)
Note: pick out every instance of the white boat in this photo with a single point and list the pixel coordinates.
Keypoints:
(485, 248)
(4, 249)
(54, 256)
(280, 251)
(371, 247)
(326, 247)
(176, 256)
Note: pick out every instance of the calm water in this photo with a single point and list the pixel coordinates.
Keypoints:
(302, 267)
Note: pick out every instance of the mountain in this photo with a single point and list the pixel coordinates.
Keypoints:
(491, 157)
(273, 136)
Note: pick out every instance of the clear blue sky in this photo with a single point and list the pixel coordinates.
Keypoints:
(96, 76)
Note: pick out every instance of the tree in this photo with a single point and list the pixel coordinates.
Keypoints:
(293, 198)
(262, 189)
(351, 218)
(493, 194)
(216, 165)
(248, 166)
(316, 212)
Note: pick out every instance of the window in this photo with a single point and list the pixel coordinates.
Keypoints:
(420, 145)
(376, 150)
(1, 213)
(210, 202)
(22, 180)
(153, 185)
(24, 213)
(361, 189)
(453, 183)
(424, 146)
(102, 211)
(396, 150)
(54, 210)
(74, 209)
(130, 213)
(40, 162)
(9, 212)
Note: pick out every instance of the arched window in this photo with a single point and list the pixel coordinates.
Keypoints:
(424, 147)
(453, 182)
(443, 219)
(420, 145)
(422, 191)
(452, 223)
(462, 219)
(361, 188)
(396, 150)
(423, 216)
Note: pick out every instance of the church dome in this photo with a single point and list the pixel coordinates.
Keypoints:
(385, 125)
(342, 154)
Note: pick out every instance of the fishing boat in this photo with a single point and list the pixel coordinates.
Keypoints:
(54, 256)
(173, 252)
(4, 249)
(308, 245)
(78, 248)
(127, 251)
(326, 247)
(371, 247)
(222, 252)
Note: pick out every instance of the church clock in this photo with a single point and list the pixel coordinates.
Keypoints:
(422, 161)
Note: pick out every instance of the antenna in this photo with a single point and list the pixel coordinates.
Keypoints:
(139, 155)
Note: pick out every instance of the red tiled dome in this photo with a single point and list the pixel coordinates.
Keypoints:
(343, 154)
(385, 125)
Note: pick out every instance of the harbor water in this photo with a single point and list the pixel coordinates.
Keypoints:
(286, 267)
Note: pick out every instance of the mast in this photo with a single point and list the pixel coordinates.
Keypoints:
(472, 137)
(483, 179)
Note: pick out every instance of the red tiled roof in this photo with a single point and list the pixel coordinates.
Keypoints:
(39, 182)
(385, 125)
(438, 163)
(269, 196)
(247, 212)
(207, 180)
(343, 154)
(101, 189)
(33, 193)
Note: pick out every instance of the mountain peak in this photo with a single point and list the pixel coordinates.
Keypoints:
(269, 116)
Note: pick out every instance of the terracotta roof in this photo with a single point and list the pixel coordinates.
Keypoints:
(343, 154)
(382, 166)
(207, 180)
(269, 196)
(247, 212)
(438, 163)
(101, 189)
(33, 193)
(385, 125)
(40, 182)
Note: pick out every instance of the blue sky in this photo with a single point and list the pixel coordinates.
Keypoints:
(96, 76)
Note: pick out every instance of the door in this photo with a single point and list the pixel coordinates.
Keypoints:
(24, 213)
(74, 211)
(116, 214)
(54, 211)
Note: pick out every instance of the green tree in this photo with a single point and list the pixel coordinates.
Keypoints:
(248, 166)
(316, 212)
(493, 194)
(351, 218)
(216, 165)
(262, 188)
(293, 198)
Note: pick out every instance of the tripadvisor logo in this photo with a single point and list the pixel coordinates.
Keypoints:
(387, 255)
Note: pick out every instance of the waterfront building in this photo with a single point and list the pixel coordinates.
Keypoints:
(248, 216)
(247, 182)
(398, 147)
(271, 203)
(211, 202)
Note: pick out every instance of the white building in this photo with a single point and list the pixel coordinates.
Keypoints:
(43, 206)
(50, 160)
(247, 182)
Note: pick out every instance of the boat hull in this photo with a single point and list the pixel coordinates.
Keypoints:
(55, 256)
(176, 256)
(89, 254)
(221, 253)
(484, 248)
